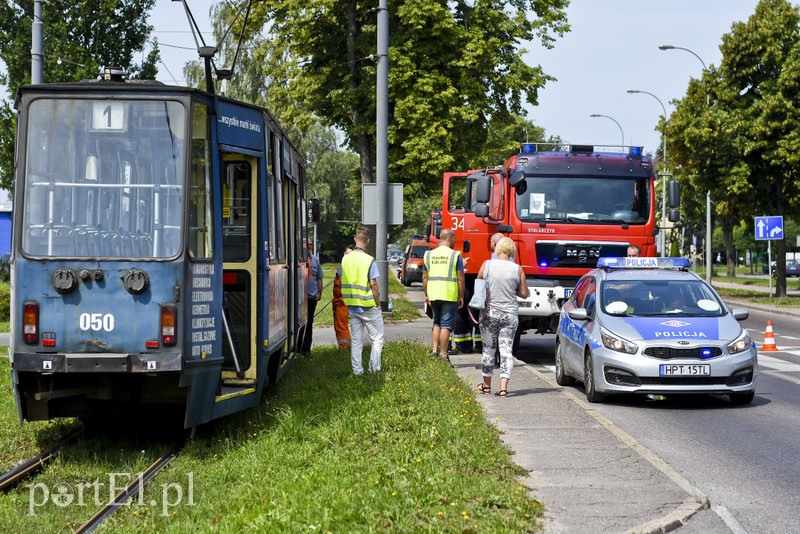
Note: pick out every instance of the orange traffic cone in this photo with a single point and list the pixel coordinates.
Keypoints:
(769, 340)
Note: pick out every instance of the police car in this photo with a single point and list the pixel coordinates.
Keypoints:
(647, 325)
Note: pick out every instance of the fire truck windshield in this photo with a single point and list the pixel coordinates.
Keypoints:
(577, 199)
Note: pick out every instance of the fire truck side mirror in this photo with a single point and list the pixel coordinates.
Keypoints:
(483, 189)
(481, 210)
(517, 181)
(437, 226)
(674, 215)
(674, 194)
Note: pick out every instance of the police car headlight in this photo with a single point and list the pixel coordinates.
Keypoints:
(616, 343)
(742, 343)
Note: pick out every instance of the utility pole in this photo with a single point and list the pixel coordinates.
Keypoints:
(37, 40)
(382, 152)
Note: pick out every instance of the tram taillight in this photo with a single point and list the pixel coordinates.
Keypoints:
(169, 327)
(30, 323)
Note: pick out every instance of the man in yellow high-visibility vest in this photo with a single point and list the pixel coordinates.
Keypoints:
(443, 283)
(360, 294)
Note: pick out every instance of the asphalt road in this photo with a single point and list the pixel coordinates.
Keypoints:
(745, 459)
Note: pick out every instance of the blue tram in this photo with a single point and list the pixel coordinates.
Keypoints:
(157, 255)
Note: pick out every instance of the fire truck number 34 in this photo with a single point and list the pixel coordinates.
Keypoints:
(458, 222)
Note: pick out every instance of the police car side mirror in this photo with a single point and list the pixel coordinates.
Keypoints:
(740, 314)
(578, 314)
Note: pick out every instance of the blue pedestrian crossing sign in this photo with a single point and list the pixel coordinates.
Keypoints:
(769, 228)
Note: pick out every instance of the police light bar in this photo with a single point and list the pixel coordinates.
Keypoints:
(643, 263)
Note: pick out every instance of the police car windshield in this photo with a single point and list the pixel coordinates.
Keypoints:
(583, 199)
(660, 298)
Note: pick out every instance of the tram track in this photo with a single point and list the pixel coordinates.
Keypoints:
(23, 470)
(128, 492)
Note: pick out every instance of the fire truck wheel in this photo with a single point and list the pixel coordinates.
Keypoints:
(517, 335)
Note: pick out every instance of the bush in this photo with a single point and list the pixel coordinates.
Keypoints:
(5, 301)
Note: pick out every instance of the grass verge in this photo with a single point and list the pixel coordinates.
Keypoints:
(22, 442)
(324, 450)
(757, 297)
(408, 449)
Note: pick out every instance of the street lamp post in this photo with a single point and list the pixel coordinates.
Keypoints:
(708, 195)
(595, 115)
(671, 47)
(662, 235)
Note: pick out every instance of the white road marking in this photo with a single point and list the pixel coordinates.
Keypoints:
(778, 364)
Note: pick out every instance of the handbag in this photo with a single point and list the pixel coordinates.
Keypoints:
(480, 293)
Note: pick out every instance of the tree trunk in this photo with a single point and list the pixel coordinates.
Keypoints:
(727, 235)
(780, 267)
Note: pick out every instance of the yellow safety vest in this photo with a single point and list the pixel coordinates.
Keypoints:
(356, 290)
(441, 264)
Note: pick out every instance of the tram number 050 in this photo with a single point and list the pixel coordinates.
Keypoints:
(96, 322)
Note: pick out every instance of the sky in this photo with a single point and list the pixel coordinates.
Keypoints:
(613, 47)
(172, 28)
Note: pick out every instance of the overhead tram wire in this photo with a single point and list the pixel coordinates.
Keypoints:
(221, 73)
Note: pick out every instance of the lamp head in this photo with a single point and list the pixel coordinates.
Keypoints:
(666, 47)
(595, 115)
(633, 91)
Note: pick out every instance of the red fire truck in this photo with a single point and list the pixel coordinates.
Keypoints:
(564, 207)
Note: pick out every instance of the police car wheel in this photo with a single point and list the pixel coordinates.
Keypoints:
(561, 376)
(588, 380)
(742, 398)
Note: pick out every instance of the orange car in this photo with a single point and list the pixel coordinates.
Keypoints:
(411, 267)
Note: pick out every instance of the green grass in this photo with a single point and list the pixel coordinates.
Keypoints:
(22, 442)
(406, 450)
(403, 310)
(791, 283)
(758, 297)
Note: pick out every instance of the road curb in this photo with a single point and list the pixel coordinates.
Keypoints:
(696, 500)
(675, 519)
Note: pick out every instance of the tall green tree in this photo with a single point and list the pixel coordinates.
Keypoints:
(332, 171)
(708, 159)
(737, 131)
(761, 63)
(453, 67)
(80, 36)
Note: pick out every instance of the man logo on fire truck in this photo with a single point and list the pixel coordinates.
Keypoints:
(564, 207)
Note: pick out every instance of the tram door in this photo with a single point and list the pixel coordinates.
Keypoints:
(239, 235)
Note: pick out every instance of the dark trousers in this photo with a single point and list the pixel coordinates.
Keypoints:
(309, 330)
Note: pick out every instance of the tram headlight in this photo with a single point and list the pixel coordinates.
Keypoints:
(30, 323)
(169, 324)
(64, 280)
(135, 281)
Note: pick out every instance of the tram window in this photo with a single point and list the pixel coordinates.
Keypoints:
(103, 187)
(279, 211)
(236, 210)
(201, 236)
